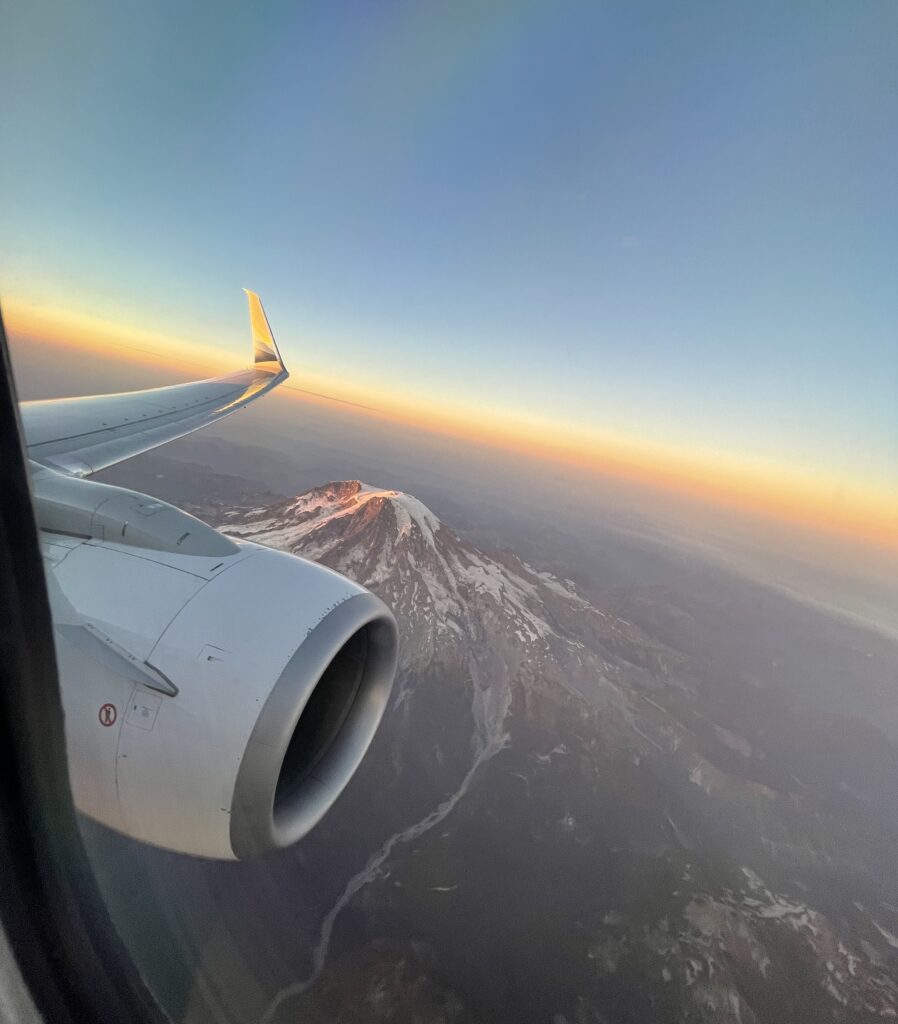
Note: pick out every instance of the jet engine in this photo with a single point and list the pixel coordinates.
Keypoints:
(218, 695)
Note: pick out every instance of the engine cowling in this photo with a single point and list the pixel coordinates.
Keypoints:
(215, 705)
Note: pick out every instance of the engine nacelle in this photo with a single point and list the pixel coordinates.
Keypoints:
(215, 705)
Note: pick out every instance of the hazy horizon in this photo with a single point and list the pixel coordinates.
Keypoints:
(338, 440)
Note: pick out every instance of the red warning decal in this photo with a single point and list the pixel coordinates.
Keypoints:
(108, 714)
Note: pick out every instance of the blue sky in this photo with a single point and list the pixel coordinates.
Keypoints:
(675, 222)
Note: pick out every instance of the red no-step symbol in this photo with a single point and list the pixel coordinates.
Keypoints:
(108, 714)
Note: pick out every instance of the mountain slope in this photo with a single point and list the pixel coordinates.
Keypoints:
(556, 787)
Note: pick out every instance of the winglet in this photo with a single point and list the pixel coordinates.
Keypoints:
(265, 350)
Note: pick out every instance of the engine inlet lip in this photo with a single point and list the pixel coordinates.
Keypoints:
(257, 825)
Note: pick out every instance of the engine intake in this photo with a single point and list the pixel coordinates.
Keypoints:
(315, 727)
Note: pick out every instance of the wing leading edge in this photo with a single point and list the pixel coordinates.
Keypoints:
(80, 436)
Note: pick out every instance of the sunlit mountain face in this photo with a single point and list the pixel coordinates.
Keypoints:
(586, 809)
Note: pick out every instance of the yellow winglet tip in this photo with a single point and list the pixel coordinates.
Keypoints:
(265, 348)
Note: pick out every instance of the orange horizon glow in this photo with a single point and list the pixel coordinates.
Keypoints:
(784, 493)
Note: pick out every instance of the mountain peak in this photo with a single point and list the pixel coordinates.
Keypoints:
(440, 587)
(353, 497)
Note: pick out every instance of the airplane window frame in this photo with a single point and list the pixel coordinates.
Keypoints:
(66, 948)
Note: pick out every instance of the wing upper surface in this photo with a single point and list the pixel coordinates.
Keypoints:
(83, 435)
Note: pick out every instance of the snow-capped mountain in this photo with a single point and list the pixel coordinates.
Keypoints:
(662, 857)
(444, 592)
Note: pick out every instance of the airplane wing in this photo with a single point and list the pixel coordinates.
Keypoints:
(80, 436)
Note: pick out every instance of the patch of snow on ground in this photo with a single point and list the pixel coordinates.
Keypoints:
(887, 935)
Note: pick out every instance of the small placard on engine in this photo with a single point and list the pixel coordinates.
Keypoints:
(143, 709)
